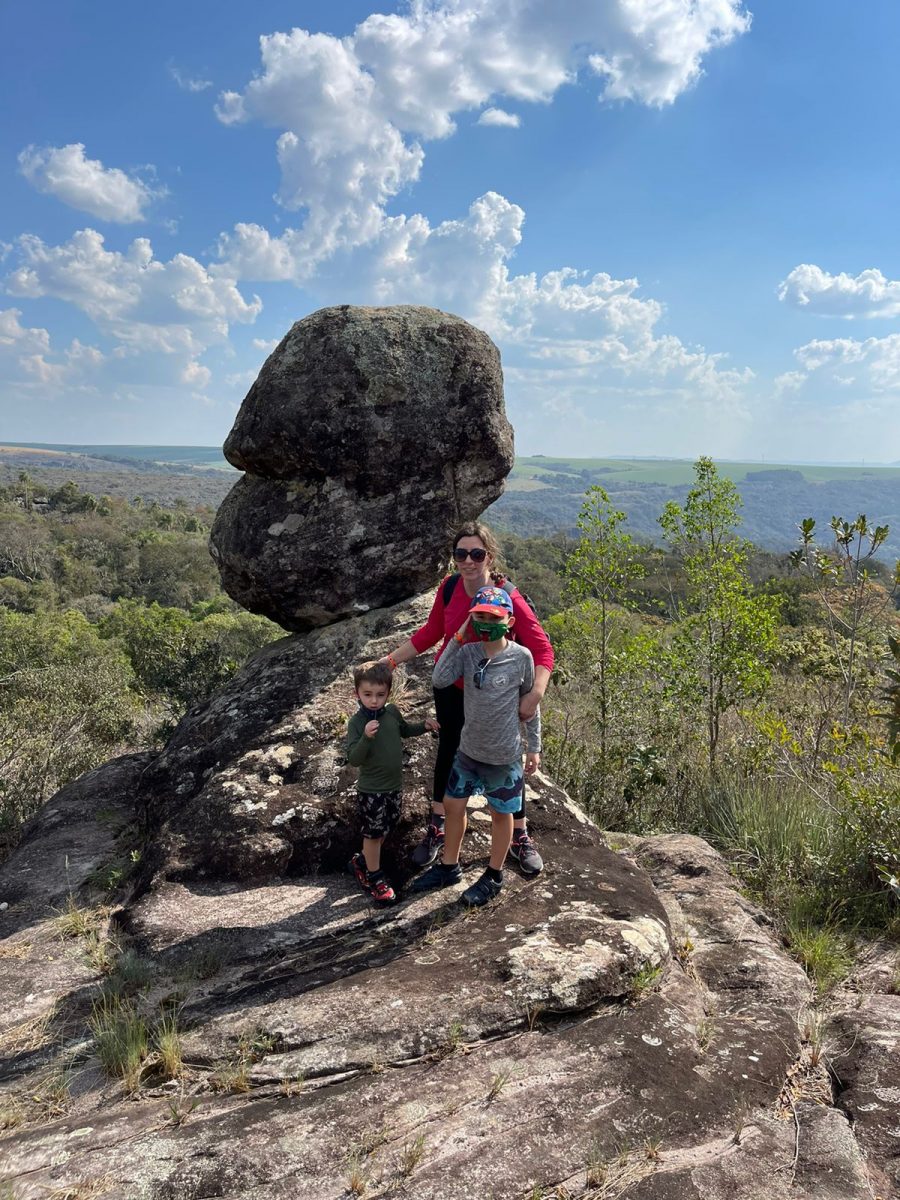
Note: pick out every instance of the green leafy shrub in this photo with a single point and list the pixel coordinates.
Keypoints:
(65, 706)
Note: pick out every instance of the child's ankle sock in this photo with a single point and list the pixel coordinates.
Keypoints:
(493, 873)
(437, 819)
(374, 876)
(445, 866)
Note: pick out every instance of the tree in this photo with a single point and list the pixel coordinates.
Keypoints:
(851, 599)
(184, 657)
(724, 633)
(26, 482)
(603, 568)
(65, 706)
(176, 569)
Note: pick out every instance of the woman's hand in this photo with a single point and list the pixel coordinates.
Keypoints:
(528, 705)
(371, 729)
(532, 762)
(431, 725)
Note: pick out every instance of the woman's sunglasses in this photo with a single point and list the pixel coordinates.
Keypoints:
(476, 555)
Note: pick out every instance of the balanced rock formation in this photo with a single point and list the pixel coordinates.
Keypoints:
(198, 1001)
(368, 436)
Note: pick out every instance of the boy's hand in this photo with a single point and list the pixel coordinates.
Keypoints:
(461, 632)
(532, 762)
(431, 725)
(371, 729)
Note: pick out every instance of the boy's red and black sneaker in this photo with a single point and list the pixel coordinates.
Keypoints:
(378, 890)
(381, 892)
(357, 866)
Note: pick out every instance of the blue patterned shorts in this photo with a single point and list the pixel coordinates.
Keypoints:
(501, 786)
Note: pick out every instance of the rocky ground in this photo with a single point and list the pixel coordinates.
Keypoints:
(199, 1002)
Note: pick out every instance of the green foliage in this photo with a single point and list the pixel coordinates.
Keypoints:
(184, 658)
(825, 953)
(65, 705)
(121, 1038)
(891, 693)
(602, 570)
(725, 633)
(725, 725)
(603, 565)
(111, 621)
(540, 564)
(633, 782)
(851, 600)
(645, 980)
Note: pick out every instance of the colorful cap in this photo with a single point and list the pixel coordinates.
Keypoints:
(490, 599)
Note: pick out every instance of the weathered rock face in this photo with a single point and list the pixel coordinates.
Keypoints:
(368, 436)
(624, 1025)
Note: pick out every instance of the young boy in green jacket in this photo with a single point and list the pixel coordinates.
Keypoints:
(375, 745)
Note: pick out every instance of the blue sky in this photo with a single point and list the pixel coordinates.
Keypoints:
(676, 219)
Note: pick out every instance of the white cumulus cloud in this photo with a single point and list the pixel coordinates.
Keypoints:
(26, 355)
(132, 296)
(161, 316)
(870, 366)
(353, 111)
(580, 343)
(85, 183)
(868, 294)
(499, 116)
(843, 393)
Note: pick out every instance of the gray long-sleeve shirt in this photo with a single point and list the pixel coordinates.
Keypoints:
(492, 732)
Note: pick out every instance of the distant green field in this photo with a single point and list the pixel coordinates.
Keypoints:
(671, 471)
(526, 473)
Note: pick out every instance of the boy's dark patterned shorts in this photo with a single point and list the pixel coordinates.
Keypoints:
(379, 812)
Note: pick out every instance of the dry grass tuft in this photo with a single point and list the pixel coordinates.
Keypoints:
(86, 1190)
(32, 1034)
(75, 921)
(15, 951)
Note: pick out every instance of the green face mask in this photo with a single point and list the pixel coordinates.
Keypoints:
(490, 631)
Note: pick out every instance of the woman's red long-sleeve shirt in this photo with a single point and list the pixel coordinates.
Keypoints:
(444, 620)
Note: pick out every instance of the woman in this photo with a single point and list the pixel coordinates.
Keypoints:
(475, 550)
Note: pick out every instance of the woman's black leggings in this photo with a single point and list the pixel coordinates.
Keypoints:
(448, 708)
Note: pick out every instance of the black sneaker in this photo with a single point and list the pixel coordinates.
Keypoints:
(483, 890)
(524, 851)
(437, 876)
(430, 846)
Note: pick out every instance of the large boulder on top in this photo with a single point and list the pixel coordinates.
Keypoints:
(368, 436)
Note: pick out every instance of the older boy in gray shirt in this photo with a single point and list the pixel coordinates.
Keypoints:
(496, 673)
